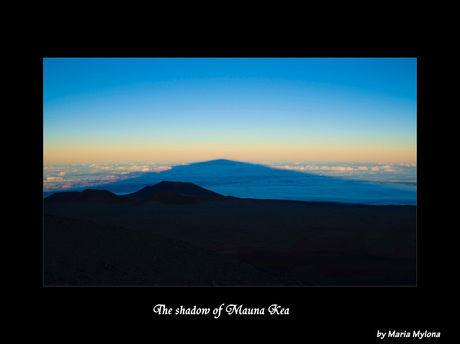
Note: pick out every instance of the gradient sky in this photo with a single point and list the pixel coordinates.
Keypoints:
(246, 109)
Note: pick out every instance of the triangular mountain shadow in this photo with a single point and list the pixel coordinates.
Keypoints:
(204, 174)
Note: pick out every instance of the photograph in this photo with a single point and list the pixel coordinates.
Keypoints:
(229, 171)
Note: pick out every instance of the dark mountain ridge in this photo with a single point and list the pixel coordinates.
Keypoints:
(165, 192)
(88, 195)
(183, 189)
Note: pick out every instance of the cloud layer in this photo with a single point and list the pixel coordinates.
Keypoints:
(65, 177)
(382, 172)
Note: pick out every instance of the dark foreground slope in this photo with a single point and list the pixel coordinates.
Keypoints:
(314, 243)
(78, 252)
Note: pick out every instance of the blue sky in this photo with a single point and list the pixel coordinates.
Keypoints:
(248, 109)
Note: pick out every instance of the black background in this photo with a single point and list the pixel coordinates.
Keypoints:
(316, 314)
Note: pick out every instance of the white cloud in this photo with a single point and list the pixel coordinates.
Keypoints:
(291, 168)
(337, 168)
(54, 179)
(161, 168)
(408, 164)
(110, 178)
(311, 167)
(327, 168)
